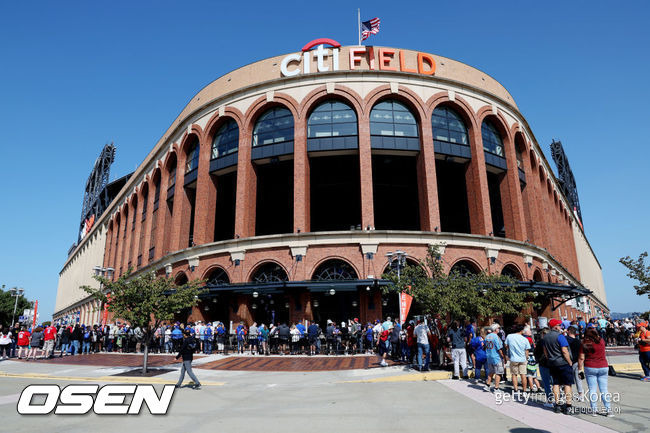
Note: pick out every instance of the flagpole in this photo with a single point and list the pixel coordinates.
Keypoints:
(359, 23)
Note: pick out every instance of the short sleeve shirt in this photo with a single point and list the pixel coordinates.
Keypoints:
(420, 332)
(517, 346)
(492, 346)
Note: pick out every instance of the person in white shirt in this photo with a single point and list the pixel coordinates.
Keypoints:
(422, 333)
(5, 343)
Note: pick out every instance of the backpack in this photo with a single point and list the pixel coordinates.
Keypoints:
(86, 335)
(192, 344)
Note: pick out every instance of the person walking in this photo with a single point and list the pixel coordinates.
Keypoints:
(253, 340)
(556, 348)
(517, 349)
(35, 343)
(479, 357)
(49, 336)
(23, 342)
(644, 350)
(494, 354)
(456, 337)
(188, 346)
(592, 364)
(421, 334)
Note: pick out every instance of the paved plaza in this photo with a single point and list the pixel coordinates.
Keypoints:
(312, 394)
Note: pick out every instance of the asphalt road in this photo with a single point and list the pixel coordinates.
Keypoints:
(375, 400)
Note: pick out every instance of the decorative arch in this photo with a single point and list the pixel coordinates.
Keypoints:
(320, 94)
(403, 94)
(180, 279)
(459, 105)
(537, 275)
(334, 269)
(216, 276)
(410, 261)
(465, 266)
(269, 272)
(513, 271)
(261, 105)
(215, 122)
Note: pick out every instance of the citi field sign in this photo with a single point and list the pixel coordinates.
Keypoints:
(382, 59)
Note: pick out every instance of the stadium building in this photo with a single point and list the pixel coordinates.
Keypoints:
(285, 184)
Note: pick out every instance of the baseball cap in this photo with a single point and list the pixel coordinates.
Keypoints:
(495, 326)
(554, 322)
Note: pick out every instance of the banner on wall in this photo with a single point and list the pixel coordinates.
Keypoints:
(405, 301)
(35, 313)
(105, 315)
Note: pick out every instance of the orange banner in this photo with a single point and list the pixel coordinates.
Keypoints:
(105, 315)
(405, 301)
(35, 312)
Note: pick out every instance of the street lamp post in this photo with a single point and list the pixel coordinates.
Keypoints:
(397, 259)
(16, 292)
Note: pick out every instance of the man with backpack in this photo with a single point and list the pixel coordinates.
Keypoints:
(186, 351)
(207, 339)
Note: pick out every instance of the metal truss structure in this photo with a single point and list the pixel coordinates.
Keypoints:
(567, 181)
(96, 198)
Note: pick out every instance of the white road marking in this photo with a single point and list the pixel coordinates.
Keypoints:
(9, 399)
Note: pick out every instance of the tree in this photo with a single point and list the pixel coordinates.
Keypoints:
(457, 295)
(145, 301)
(640, 271)
(7, 303)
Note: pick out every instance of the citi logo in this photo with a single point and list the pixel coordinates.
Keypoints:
(105, 400)
(320, 54)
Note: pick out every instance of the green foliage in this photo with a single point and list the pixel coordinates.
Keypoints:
(7, 302)
(640, 271)
(44, 324)
(145, 300)
(456, 295)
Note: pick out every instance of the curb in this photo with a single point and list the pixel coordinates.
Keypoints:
(410, 377)
(120, 379)
(628, 367)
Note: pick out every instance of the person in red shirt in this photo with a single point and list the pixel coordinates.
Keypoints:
(592, 363)
(644, 350)
(49, 338)
(23, 341)
(382, 345)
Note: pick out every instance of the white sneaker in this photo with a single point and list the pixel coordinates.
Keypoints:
(487, 388)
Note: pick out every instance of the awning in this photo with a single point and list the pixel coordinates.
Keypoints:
(278, 287)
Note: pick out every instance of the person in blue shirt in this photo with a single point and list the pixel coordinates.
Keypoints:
(479, 357)
(314, 342)
(221, 337)
(207, 339)
(241, 337)
(177, 337)
(494, 354)
(582, 326)
(369, 337)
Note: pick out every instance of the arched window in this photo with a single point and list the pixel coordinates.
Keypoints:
(334, 270)
(492, 141)
(272, 127)
(512, 272)
(448, 126)
(464, 267)
(192, 156)
(269, 273)
(181, 279)
(332, 119)
(218, 277)
(537, 275)
(172, 174)
(226, 140)
(393, 119)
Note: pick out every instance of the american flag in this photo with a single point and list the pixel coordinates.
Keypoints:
(369, 27)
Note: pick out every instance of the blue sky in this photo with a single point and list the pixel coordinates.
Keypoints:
(76, 75)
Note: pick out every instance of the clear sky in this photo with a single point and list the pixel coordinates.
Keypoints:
(76, 75)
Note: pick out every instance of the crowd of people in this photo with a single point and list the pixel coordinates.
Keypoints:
(563, 354)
